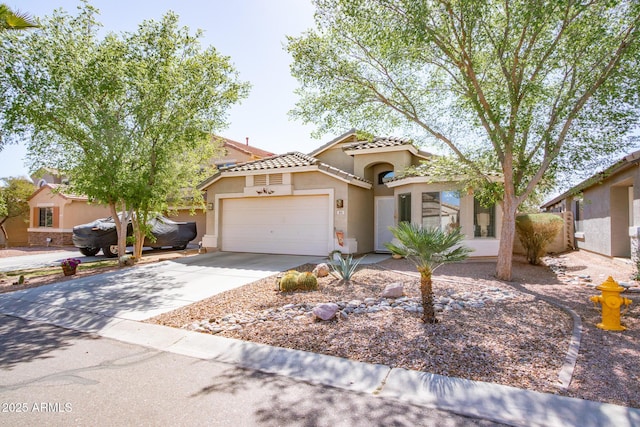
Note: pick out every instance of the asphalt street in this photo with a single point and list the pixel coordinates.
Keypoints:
(54, 376)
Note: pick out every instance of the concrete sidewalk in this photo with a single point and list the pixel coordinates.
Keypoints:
(111, 305)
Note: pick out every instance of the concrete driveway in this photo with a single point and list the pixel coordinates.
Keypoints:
(90, 303)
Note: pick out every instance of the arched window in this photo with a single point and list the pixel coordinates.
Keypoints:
(384, 175)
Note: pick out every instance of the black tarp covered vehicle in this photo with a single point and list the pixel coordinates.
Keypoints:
(101, 234)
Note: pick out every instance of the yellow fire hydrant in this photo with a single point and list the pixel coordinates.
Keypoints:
(611, 302)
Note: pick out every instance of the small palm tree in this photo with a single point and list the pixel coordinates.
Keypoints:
(428, 249)
(14, 20)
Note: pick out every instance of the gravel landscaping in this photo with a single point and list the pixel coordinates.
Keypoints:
(508, 333)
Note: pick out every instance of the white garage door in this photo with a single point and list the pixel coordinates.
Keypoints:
(278, 225)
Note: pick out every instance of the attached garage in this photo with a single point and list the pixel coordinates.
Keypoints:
(297, 225)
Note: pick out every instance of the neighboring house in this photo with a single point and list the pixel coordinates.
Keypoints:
(54, 213)
(342, 196)
(237, 152)
(606, 209)
(48, 176)
(18, 227)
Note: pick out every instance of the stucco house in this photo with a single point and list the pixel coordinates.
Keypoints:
(606, 209)
(342, 196)
(235, 152)
(54, 212)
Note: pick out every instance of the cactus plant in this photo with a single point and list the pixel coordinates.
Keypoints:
(307, 281)
(289, 282)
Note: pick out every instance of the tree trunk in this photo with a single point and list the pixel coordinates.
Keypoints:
(139, 232)
(121, 229)
(507, 235)
(4, 233)
(426, 289)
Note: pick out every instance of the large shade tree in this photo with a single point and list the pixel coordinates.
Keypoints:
(128, 117)
(515, 87)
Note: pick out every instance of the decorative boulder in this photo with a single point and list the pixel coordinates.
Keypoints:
(321, 270)
(393, 290)
(325, 311)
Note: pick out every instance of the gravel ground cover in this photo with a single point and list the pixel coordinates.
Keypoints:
(509, 333)
(506, 333)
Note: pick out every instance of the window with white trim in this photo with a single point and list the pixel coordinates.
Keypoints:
(441, 209)
(45, 217)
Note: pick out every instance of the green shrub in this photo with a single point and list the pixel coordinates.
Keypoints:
(536, 232)
(307, 281)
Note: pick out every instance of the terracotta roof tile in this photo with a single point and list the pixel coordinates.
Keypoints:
(247, 148)
(289, 160)
(378, 142)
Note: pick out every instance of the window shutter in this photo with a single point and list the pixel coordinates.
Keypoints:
(35, 218)
(56, 217)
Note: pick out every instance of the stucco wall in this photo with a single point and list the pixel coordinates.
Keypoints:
(336, 157)
(606, 215)
(199, 217)
(399, 159)
(16, 232)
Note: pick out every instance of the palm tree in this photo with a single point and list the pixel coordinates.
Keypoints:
(14, 20)
(428, 249)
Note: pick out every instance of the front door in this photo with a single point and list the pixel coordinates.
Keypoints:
(385, 209)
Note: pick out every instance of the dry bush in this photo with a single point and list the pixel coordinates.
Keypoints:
(536, 232)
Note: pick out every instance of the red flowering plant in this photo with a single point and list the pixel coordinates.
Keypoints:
(70, 262)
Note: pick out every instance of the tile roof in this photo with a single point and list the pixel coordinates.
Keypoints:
(620, 165)
(288, 160)
(378, 142)
(246, 148)
(60, 189)
(348, 134)
(284, 161)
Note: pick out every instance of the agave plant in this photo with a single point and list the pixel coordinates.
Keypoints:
(343, 267)
(427, 248)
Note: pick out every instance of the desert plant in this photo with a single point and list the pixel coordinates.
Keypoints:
(343, 267)
(289, 282)
(70, 263)
(427, 248)
(307, 281)
(536, 232)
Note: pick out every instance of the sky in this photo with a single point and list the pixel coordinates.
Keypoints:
(251, 32)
